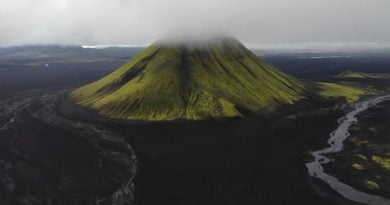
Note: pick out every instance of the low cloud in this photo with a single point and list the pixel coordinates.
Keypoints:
(140, 22)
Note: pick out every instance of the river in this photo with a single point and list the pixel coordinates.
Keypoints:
(337, 137)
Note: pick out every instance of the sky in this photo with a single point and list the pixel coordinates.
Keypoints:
(141, 22)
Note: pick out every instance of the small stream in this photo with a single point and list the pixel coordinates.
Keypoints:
(335, 142)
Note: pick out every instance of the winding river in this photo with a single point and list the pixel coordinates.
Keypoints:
(335, 142)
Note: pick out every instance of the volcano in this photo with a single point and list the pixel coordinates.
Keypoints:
(190, 81)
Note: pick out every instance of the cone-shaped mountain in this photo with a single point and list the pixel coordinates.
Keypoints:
(172, 81)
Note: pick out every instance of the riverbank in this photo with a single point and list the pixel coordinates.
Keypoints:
(363, 162)
(322, 158)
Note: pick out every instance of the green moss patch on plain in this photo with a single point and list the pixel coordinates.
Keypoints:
(362, 157)
(384, 162)
(351, 92)
(358, 166)
(352, 74)
(372, 185)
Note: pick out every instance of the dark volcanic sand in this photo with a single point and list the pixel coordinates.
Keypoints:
(254, 161)
(240, 162)
(49, 160)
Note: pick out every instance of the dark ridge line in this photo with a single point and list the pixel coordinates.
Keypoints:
(256, 59)
(129, 75)
(247, 69)
(232, 76)
(184, 73)
(204, 65)
(197, 55)
(134, 104)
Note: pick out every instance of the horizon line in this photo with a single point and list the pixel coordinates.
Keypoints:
(270, 46)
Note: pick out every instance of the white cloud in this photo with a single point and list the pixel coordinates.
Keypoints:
(143, 21)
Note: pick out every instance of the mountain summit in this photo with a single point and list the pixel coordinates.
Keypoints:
(190, 81)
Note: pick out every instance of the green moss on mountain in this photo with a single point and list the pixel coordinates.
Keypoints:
(177, 81)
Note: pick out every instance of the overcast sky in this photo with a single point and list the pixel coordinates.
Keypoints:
(140, 22)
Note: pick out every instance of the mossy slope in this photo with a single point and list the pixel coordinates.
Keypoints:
(177, 81)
